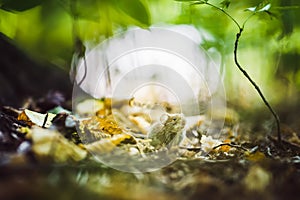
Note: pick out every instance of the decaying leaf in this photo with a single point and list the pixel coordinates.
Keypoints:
(225, 148)
(208, 143)
(256, 157)
(51, 144)
(257, 179)
(141, 122)
(294, 139)
(107, 144)
(105, 109)
(31, 118)
(89, 107)
(10, 136)
(23, 117)
(98, 128)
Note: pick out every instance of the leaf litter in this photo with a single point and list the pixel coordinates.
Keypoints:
(237, 164)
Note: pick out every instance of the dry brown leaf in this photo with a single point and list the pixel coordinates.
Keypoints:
(107, 144)
(106, 125)
(51, 144)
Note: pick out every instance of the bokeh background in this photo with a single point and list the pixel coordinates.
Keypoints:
(50, 32)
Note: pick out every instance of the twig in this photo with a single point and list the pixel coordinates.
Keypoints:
(226, 13)
(79, 48)
(45, 120)
(191, 148)
(236, 43)
(231, 145)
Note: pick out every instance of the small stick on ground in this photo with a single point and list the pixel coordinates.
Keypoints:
(231, 145)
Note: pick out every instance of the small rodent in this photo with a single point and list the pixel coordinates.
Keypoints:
(170, 128)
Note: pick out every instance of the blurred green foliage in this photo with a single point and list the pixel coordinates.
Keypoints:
(47, 29)
(269, 48)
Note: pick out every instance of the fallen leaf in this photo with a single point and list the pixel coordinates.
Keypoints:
(208, 143)
(257, 179)
(99, 128)
(31, 118)
(23, 117)
(256, 157)
(106, 145)
(51, 144)
(89, 107)
(225, 148)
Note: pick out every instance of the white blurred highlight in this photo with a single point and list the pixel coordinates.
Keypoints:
(116, 63)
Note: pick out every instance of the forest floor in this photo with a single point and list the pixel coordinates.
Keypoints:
(43, 158)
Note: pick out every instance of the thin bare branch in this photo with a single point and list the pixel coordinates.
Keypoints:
(236, 43)
(231, 145)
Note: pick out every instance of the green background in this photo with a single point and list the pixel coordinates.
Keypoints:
(52, 31)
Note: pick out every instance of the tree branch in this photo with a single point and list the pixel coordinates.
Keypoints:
(226, 13)
(236, 43)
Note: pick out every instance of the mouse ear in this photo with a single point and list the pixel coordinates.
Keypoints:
(163, 118)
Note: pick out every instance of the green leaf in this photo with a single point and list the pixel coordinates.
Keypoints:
(263, 4)
(265, 8)
(225, 3)
(19, 5)
(271, 14)
(185, 0)
(135, 9)
(194, 2)
(251, 9)
(88, 9)
(262, 7)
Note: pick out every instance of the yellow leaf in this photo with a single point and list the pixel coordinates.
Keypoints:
(257, 179)
(89, 107)
(106, 125)
(23, 117)
(106, 145)
(31, 117)
(225, 148)
(51, 144)
(256, 157)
